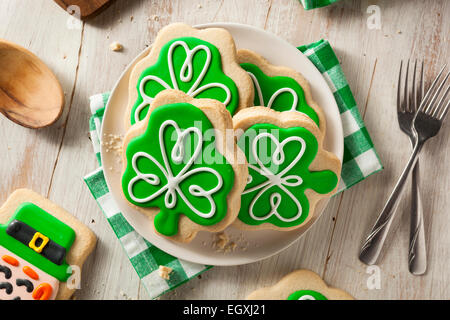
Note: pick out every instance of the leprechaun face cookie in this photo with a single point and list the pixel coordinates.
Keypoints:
(201, 63)
(40, 246)
(280, 88)
(300, 285)
(289, 171)
(180, 169)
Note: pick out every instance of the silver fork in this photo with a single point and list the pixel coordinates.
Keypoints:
(426, 124)
(406, 109)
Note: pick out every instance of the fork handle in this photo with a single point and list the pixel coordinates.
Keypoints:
(417, 254)
(374, 242)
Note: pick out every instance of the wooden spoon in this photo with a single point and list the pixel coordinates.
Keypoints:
(30, 94)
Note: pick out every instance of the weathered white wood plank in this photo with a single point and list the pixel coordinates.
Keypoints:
(370, 60)
(108, 273)
(409, 29)
(28, 156)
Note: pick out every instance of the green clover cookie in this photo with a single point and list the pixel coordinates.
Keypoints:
(279, 159)
(168, 167)
(279, 93)
(306, 295)
(190, 65)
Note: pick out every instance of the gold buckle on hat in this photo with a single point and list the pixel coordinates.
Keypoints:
(32, 243)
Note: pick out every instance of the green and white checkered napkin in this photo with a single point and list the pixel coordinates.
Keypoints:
(360, 161)
(312, 4)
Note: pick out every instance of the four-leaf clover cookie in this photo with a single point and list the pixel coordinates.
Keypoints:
(179, 169)
(201, 63)
(289, 171)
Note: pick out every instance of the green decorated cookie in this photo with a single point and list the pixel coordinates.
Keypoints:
(300, 285)
(278, 93)
(282, 190)
(42, 249)
(280, 88)
(306, 295)
(175, 170)
(201, 63)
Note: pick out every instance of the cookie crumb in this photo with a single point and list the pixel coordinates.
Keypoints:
(222, 243)
(116, 46)
(199, 6)
(154, 17)
(113, 142)
(164, 272)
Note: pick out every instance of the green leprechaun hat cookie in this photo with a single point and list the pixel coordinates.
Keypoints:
(280, 88)
(179, 170)
(42, 248)
(300, 285)
(289, 171)
(39, 238)
(201, 63)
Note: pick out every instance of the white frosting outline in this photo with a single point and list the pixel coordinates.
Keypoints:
(278, 179)
(172, 186)
(185, 77)
(275, 95)
(306, 297)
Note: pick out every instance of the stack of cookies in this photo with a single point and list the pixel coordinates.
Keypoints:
(218, 136)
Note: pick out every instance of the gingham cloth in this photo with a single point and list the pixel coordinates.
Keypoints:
(312, 4)
(360, 161)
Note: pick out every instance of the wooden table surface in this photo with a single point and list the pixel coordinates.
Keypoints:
(53, 161)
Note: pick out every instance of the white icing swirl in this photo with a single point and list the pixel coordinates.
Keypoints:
(280, 179)
(186, 75)
(275, 95)
(172, 187)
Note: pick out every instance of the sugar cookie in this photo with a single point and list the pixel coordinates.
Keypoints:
(300, 285)
(201, 63)
(289, 171)
(180, 169)
(42, 248)
(280, 88)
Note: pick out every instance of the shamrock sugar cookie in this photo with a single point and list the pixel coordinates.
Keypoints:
(201, 63)
(300, 285)
(289, 171)
(280, 88)
(181, 170)
(42, 249)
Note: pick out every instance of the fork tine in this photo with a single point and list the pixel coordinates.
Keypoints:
(444, 114)
(440, 104)
(399, 102)
(431, 106)
(413, 103)
(406, 95)
(421, 90)
(428, 94)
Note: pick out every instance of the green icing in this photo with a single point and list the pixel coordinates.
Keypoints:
(279, 159)
(178, 169)
(306, 295)
(47, 225)
(192, 74)
(266, 87)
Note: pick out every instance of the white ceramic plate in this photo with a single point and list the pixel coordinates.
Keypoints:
(258, 244)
